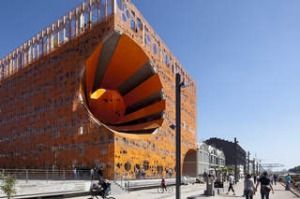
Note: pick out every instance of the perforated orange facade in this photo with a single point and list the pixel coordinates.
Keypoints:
(95, 89)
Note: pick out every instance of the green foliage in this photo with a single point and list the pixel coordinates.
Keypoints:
(295, 169)
(8, 183)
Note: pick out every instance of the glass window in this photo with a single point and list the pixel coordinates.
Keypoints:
(73, 28)
(109, 8)
(154, 48)
(123, 7)
(127, 166)
(159, 169)
(54, 42)
(124, 17)
(148, 38)
(139, 24)
(132, 21)
(95, 13)
(146, 165)
(119, 3)
(127, 14)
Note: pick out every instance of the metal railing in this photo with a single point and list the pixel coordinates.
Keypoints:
(45, 175)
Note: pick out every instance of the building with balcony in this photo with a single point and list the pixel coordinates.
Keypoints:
(233, 152)
(209, 158)
(96, 89)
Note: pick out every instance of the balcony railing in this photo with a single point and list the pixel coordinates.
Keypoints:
(82, 18)
(68, 27)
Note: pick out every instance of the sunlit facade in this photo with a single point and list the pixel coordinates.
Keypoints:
(95, 89)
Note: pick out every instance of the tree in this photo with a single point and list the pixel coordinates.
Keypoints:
(8, 184)
(295, 169)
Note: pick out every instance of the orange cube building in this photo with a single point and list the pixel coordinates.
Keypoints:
(96, 89)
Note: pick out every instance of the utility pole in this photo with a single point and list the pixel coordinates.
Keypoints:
(235, 159)
(253, 166)
(248, 162)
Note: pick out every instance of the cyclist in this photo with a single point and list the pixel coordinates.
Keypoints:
(164, 184)
(106, 187)
(287, 180)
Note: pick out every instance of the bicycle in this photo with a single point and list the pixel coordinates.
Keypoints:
(162, 189)
(97, 190)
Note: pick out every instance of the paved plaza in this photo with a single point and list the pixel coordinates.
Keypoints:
(36, 189)
(196, 191)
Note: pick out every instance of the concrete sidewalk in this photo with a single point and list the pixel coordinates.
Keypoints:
(79, 190)
(196, 191)
(279, 192)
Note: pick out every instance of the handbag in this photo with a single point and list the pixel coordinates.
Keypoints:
(266, 189)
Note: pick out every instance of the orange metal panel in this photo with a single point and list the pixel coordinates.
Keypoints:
(149, 110)
(144, 126)
(72, 137)
(127, 59)
(150, 86)
(91, 65)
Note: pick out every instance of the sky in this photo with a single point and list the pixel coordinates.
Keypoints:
(243, 55)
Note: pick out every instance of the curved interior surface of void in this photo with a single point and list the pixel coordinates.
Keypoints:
(121, 87)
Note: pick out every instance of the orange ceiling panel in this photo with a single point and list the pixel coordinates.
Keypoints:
(142, 126)
(126, 60)
(148, 87)
(149, 110)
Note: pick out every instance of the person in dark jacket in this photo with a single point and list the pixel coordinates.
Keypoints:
(265, 186)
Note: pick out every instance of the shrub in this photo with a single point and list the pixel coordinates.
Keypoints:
(8, 184)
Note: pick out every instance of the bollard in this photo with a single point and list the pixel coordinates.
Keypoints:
(47, 176)
(26, 175)
(209, 189)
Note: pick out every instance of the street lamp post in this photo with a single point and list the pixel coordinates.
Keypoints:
(179, 84)
(253, 166)
(248, 162)
(236, 159)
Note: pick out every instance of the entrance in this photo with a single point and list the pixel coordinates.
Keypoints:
(190, 164)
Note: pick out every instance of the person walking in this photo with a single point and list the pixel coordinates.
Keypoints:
(92, 174)
(255, 178)
(275, 178)
(231, 182)
(265, 186)
(249, 189)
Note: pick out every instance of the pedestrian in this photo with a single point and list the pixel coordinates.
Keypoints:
(170, 172)
(271, 178)
(92, 173)
(249, 189)
(287, 180)
(231, 182)
(265, 186)
(100, 175)
(275, 179)
(254, 178)
(164, 184)
(75, 173)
